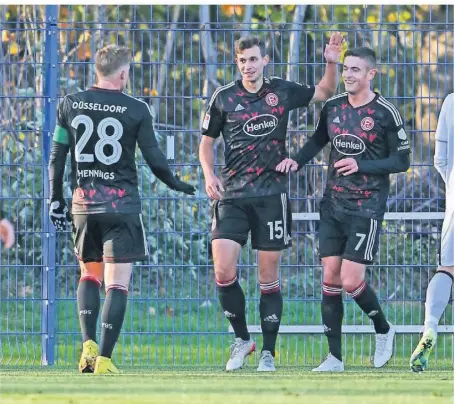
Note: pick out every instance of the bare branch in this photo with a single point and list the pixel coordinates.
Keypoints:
(164, 68)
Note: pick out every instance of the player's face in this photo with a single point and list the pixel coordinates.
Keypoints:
(357, 74)
(251, 64)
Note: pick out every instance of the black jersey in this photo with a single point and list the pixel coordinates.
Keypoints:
(254, 127)
(370, 132)
(102, 128)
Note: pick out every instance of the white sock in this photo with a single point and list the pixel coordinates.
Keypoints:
(438, 295)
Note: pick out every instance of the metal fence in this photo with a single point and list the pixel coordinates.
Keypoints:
(181, 54)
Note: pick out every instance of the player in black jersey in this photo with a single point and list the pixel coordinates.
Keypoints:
(101, 127)
(252, 115)
(368, 142)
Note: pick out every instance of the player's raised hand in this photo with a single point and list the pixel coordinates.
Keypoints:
(346, 166)
(287, 165)
(213, 187)
(6, 233)
(59, 214)
(332, 52)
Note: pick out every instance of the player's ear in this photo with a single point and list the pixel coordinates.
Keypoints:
(266, 60)
(372, 74)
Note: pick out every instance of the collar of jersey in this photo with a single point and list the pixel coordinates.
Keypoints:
(364, 105)
(265, 84)
(95, 88)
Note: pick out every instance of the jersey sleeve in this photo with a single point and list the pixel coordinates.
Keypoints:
(146, 135)
(299, 95)
(213, 119)
(397, 138)
(61, 131)
(441, 149)
(316, 142)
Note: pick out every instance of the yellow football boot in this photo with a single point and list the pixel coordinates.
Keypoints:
(88, 357)
(104, 366)
(419, 358)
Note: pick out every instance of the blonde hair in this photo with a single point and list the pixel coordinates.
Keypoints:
(111, 58)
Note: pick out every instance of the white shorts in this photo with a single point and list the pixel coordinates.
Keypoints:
(446, 249)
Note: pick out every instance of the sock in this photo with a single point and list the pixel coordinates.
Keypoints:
(367, 300)
(88, 306)
(232, 302)
(270, 310)
(112, 319)
(438, 295)
(332, 317)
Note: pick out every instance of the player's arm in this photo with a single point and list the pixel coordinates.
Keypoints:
(441, 149)
(327, 87)
(58, 211)
(399, 151)
(310, 149)
(59, 150)
(211, 130)
(155, 158)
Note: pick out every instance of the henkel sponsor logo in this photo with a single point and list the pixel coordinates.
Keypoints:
(261, 125)
(348, 144)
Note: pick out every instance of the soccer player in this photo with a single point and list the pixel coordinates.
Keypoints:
(252, 114)
(101, 127)
(440, 286)
(368, 142)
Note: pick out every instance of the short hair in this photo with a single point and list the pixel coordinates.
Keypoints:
(363, 53)
(111, 58)
(247, 42)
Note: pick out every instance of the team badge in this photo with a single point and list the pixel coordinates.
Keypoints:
(271, 99)
(367, 123)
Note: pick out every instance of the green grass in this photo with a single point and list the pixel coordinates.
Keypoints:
(196, 385)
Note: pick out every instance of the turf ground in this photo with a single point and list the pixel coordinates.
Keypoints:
(197, 385)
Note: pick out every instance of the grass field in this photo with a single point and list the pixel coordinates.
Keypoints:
(197, 385)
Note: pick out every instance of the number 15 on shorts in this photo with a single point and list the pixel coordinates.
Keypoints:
(276, 231)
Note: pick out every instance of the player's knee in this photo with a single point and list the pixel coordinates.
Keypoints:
(92, 270)
(268, 264)
(448, 269)
(331, 270)
(351, 282)
(117, 276)
(225, 274)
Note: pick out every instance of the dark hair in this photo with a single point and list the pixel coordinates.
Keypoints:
(247, 42)
(363, 53)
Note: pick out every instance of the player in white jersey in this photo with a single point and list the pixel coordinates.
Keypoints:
(440, 286)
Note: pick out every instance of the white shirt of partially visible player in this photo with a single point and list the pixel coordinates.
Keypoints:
(444, 149)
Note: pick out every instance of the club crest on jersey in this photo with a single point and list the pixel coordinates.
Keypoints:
(367, 123)
(271, 99)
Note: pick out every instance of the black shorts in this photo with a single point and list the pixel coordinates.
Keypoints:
(109, 237)
(348, 236)
(269, 219)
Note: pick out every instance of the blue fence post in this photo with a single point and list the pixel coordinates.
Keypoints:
(50, 69)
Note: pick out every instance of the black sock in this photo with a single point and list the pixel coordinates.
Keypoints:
(88, 306)
(112, 320)
(270, 310)
(367, 300)
(232, 302)
(332, 317)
